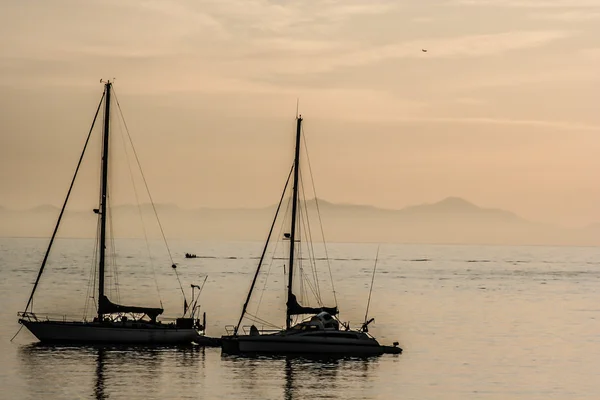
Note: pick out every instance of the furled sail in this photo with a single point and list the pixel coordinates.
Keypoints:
(295, 308)
(108, 307)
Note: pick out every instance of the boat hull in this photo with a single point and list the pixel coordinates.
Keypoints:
(281, 344)
(86, 332)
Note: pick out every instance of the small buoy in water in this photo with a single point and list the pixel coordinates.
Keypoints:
(174, 266)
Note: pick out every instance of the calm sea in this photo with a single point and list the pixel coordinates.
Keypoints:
(476, 322)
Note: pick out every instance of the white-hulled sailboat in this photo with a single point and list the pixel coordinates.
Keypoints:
(114, 323)
(320, 332)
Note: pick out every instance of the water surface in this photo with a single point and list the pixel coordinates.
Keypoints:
(476, 322)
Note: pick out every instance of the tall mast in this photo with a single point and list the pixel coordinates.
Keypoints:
(290, 296)
(103, 199)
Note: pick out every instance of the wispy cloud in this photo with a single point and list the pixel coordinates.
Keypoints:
(568, 16)
(361, 54)
(560, 125)
(306, 17)
(531, 3)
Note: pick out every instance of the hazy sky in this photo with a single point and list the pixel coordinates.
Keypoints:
(503, 109)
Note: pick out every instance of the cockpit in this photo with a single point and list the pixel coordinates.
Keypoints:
(321, 321)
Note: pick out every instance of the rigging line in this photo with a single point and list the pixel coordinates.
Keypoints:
(303, 276)
(320, 220)
(109, 262)
(282, 225)
(372, 280)
(96, 261)
(194, 305)
(137, 200)
(263, 252)
(91, 288)
(304, 279)
(309, 239)
(274, 252)
(90, 280)
(255, 318)
(202, 287)
(37, 280)
(98, 242)
(162, 232)
(95, 266)
(143, 176)
(283, 255)
(113, 261)
(13, 338)
(264, 324)
(314, 262)
(298, 258)
(298, 248)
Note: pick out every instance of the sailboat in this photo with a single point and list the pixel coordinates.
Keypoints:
(114, 323)
(320, 332)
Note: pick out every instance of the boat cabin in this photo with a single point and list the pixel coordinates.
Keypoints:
(321, 321)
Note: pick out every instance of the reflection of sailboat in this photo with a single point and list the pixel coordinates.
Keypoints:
(320, 333)
(59, 371)
(100, 385)
(115, 323)
(288, 389)
(304, 375)
(114, 367)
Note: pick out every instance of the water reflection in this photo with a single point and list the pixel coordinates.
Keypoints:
(105, 371)
(300, 377)
(99, 387)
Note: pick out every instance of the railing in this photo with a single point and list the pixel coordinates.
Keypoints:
(31, 316)
(262, 330)
(230, 329)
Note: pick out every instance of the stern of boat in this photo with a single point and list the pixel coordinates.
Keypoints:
(230, 344)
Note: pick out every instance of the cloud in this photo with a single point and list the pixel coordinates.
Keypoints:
(530, 3)
(559, 125)
(359, 54)
(569, 16)
(306, 17)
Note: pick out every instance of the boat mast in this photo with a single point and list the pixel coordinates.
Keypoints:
(103, 199)
(290, 295)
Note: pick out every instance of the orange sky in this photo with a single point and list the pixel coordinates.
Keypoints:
(502, 109)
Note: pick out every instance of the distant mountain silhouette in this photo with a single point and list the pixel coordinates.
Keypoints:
(456, 205)
(451, 220)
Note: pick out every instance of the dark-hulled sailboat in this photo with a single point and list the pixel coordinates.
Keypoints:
(321, 333)
(114, 323)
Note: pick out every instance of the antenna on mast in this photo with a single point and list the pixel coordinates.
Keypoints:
(365, 324)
